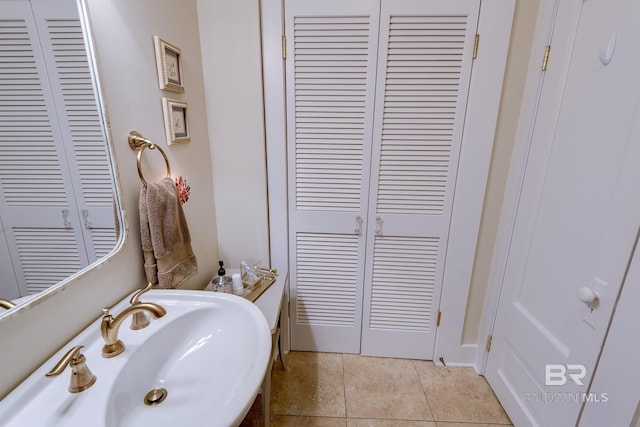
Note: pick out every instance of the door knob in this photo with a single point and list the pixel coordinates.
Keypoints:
(358, 229)
(587, 295)
(65, 219)
(378, 226)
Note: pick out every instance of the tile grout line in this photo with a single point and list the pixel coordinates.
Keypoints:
(426, 398)
(344, 389)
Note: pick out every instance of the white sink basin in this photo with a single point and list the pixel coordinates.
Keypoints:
(209, 353)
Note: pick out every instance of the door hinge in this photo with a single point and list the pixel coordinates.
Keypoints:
(489, 342)
(439, 318)
(476, 42)
(284, 47)
(545, 60)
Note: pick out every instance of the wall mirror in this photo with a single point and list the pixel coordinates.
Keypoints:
(58, 207)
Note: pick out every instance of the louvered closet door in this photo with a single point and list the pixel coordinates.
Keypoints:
(330, 67)
(38, 210)
(424, 70)
(85, 146)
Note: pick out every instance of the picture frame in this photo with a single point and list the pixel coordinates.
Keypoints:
(176, 121)
(169, 65)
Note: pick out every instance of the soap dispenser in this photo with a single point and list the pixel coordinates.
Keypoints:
(222, 282)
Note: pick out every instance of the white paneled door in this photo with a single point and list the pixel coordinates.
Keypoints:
(376, 98)
(576, 222)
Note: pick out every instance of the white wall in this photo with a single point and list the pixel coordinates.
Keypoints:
(230, 37)
(124, 33)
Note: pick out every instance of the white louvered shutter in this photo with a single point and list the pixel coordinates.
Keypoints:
(331, 60)
(80, 121)
(424, 71)
(376, 98)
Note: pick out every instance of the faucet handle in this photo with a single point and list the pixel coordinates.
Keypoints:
(6, 304)
(136, 297)
(81, 377)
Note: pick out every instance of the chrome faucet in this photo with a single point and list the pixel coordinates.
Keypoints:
(110, 325)
(139, 319)
(81, 377)
(6, 304)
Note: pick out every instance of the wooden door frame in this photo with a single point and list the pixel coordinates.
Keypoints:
(494, 27)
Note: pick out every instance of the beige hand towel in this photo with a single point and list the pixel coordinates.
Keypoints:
(166, 242)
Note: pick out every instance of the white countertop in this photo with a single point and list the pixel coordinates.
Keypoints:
(270, 302)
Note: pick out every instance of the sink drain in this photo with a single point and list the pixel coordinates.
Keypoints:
(155, 396)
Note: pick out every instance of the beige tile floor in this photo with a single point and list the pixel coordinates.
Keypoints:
(332, 390)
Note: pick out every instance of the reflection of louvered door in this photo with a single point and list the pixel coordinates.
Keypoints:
(38, 207)
(47, 128)
(375, 99)
(85, 145)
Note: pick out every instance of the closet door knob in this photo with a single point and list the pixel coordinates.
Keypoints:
(65, 219)
(606, 53)
(378, 226)
(587, 295)
(358, 229)
(85, 218)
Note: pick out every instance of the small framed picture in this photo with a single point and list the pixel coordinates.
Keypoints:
(169, 64)
(176, 121)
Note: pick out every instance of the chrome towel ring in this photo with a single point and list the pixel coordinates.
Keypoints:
(138, 143)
